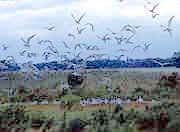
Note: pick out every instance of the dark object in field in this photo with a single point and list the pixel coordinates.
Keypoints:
(118, 108)
(75, 79)
(77, 125)
(169, 80)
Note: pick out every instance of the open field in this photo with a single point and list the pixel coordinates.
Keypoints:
(107, 83)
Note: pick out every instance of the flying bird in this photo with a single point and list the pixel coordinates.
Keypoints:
(154, 15)
(91, 25)
(47, 54)
(123, 50)
(146, 46)
(119, 57)
(136, 47)
(130, 28)
(80, 30)
(4, 47)
(66, 45)
(168, 27)
(78, 20)
(79, 45)
(120, 39)
(71, 35)
(113, 33)
(28, 40)
(128, 40)
(161, 64)
(46, 41)
(105, 38)
(154, 8)
(51, 28)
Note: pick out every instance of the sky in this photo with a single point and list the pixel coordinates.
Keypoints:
(22, 18)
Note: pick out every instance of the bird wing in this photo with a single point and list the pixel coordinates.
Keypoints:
(22, 39)
(31, 37)
(155, 6)
(82, 17)
(92, 26)
(138, 46)
(74, 18)
(82, 29)
(170, 21)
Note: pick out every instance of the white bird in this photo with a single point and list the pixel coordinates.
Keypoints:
(138, 46)
(105, 38)
(71, 35)
(78, 20)
(91, 25)
(146, 46)
(66, 45)
(154, 8)
(140, 100)
(28, 40)
(50, 28)
(161, 64)
(4, 47)
(167, 28)
(79, 31)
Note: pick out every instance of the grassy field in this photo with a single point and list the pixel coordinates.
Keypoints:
(129, 83)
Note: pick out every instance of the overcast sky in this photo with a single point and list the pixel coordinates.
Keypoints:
(22, 18)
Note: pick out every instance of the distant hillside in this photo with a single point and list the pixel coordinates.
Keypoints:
(174, 61)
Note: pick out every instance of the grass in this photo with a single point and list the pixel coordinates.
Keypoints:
(124, 80)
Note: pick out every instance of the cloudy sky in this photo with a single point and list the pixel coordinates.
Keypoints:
(22, 18)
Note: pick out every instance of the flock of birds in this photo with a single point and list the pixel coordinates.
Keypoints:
(125, 36)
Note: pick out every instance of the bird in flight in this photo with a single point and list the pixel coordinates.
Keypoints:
(105, 38)
(79, 45)
(78, 20)
(119, 57)
(123, 50)
(130, 28)
(91, 25)
(167, 28)
(113, 33)
(95, 47)
(120, 39)
(128, 39)
(66, 45)
(161, 64)
(79, 31)
(136, 47)
(4, 47)
(28, 40)
(153, 10)
(71, 35)
(51, 28)
(46, 41)
(46, 55)
(146, 46)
